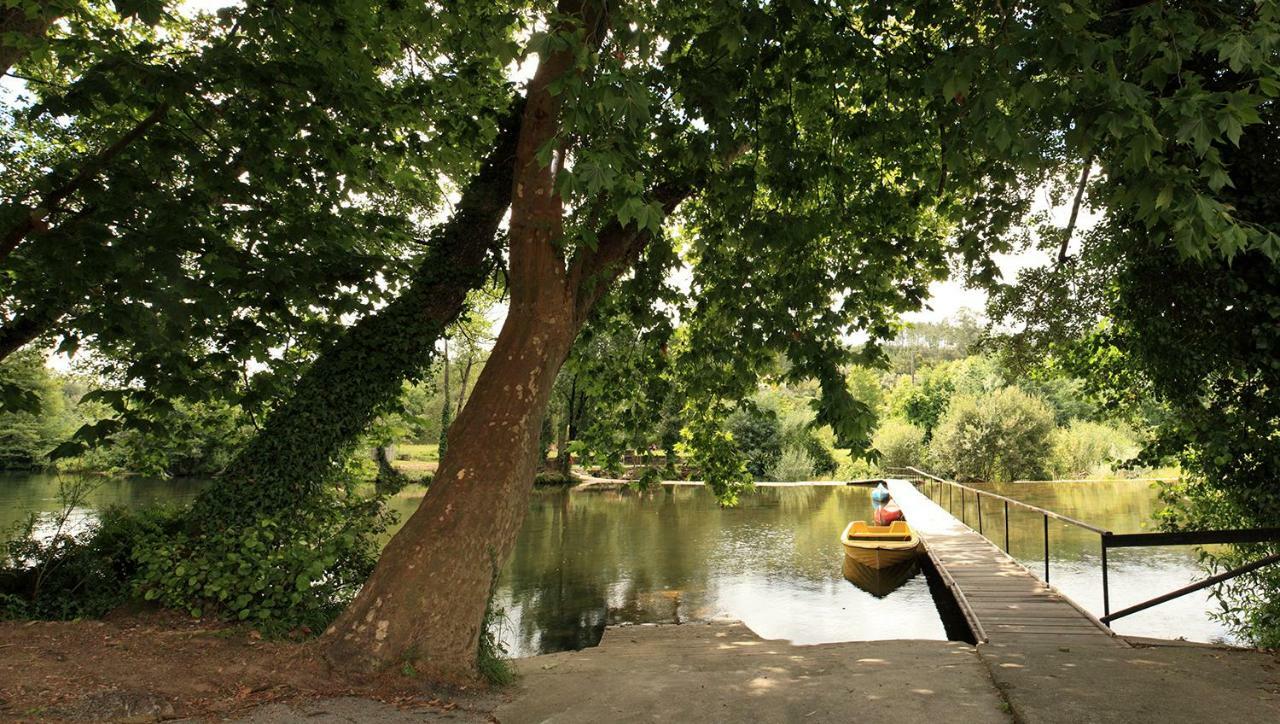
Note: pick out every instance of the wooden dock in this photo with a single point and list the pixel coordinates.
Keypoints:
(1003, 602)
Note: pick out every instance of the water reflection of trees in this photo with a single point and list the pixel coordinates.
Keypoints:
(587, 559)
(24, 493)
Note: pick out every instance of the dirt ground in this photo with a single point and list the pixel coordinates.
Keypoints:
(157, 667)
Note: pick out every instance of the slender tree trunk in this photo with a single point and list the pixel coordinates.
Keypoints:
(568, 429)
(562, 447)
(462, 385)
(445, 359)
(446, 409)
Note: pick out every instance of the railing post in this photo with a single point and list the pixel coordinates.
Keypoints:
(1046, 548)
(979, 496)
(1006, 527)
(1106, 592)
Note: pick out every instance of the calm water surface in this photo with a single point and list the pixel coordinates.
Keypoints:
(585, 560)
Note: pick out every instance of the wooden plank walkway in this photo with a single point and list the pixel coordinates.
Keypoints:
(1003, 602)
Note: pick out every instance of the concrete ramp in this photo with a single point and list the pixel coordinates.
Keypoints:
(722, 672)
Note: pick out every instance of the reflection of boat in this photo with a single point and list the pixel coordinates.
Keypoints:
(879, 582)
(880, 546)
(887, 513)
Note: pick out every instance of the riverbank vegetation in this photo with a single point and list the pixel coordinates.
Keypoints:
(269, 230)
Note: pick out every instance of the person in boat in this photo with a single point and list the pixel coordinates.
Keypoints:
(885, 510)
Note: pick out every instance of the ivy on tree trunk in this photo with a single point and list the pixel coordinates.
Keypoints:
(303, 442)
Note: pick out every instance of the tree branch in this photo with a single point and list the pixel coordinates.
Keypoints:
(617, 248)
(20, 330)
(49, 202)
(1075, 209)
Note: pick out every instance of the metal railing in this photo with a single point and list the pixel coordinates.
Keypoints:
(1106, 539)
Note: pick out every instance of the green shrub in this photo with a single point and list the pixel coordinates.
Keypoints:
(54, 567)
(859, 469)
(923, 401)
(1000, 436)
(757, 435)
(864, 385)
(1079, 449)
(976, 375)
(550, 479)
(492, 659)
(278, 572)
(1066, 396)
(794, 465)
(188, 439)
(899, 443)
(817, 444)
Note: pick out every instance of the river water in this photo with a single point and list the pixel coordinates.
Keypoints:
(588, 559)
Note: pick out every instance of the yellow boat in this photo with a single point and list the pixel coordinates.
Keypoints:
(880, 546)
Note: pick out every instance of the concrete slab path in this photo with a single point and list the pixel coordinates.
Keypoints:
(722, 672)
(1168, 682)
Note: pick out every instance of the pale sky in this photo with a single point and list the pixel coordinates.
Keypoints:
(948, 297)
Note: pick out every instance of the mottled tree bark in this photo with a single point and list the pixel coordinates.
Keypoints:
(426, 598)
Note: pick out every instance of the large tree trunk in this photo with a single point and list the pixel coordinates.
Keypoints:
(426, 599)
(462, 384)
(350, 384)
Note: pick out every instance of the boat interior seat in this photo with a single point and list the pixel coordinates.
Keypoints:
(898, 530)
